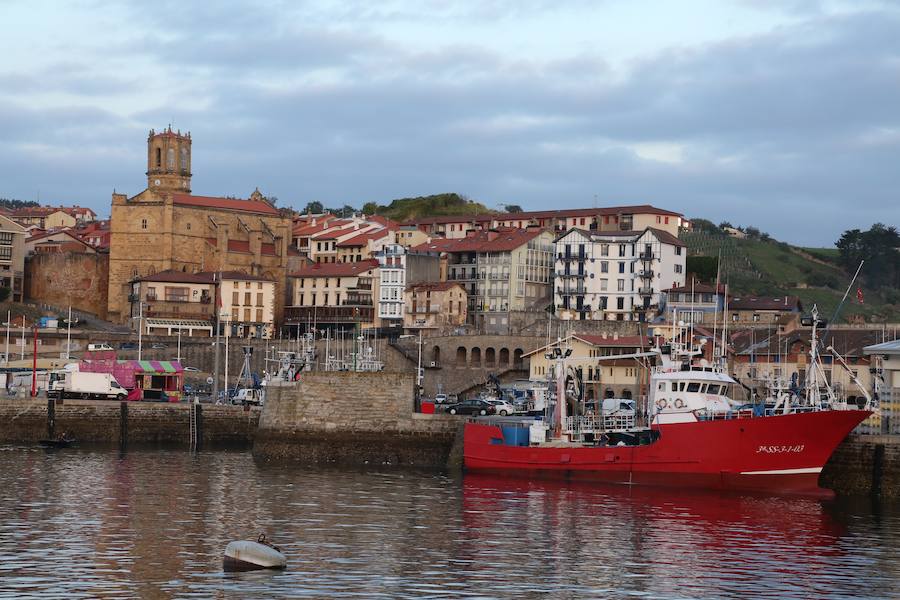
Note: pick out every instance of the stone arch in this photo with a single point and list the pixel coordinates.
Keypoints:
(517, 359)
(475, 357)
(490, 357)
(504, 358)
(609, 393)
(436, 355)
(626, 394)
(461, 356)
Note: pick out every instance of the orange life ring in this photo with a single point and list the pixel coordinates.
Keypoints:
(661, 404)
(679, 403)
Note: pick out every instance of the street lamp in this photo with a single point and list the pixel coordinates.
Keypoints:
(69, 333)
(140, 318)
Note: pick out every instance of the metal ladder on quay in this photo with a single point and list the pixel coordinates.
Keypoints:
(193, 426)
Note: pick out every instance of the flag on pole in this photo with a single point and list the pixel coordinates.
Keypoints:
(859, 295)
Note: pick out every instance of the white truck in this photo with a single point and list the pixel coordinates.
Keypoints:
(78, 384)
(249, 396)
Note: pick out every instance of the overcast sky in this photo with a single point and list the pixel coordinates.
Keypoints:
(780, 114)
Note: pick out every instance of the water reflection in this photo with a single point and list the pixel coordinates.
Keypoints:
(89, 523)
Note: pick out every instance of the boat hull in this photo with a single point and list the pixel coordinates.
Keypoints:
(781, 454)
(249, 556)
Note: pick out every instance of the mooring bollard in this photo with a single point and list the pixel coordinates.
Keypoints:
(51, 416)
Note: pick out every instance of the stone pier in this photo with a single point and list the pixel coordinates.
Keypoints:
(352, 419)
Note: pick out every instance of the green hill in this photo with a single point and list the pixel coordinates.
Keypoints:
(769, 267)
(437, 205)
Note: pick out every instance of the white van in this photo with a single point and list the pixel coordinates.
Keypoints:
(101, 346)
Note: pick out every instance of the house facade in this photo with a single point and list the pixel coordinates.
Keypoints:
(333, 296)
(434, 307)
(618, 276)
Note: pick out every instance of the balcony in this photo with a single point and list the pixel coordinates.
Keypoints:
(329, 314)
(572, 291)
(175, 310)
(434, 309)
(645, 273)
(646, 256)
(645, 290)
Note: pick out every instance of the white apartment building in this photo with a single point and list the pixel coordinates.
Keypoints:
(398, 267)
(615, 275)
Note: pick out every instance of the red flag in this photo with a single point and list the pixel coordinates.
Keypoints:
(859, 295)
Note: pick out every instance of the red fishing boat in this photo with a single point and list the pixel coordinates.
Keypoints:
(692, 434)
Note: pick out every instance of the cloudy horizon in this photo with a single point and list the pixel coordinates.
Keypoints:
(780, 115)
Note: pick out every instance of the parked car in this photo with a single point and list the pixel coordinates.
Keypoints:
(128, 346)
(158, 346)
(502, 407)
(440, 398)
(191, 369)
(100, 346)
(472, 407)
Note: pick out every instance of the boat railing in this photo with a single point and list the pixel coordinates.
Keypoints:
(749, 413)
(597, 423)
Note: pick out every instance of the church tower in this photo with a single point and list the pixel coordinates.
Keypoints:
(169, 161)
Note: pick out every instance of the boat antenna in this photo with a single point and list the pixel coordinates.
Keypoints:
(716, 305)
(840, 305)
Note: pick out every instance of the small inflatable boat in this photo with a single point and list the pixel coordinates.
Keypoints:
(63, 441)
(244, 555)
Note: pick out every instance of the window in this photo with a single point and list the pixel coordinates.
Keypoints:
(247, 285)
(693, 387)
(604, 267)
(677, 250)
(621, 267)
(259, 299)
(234, 314)
(259, 316)
(188, 226)
(184, 159)
(158, 158)
(6, 238)
(235, 298)
(170, 159)
(143, 223)
(620, 285)
(259, 285)
(603, 284)
(621, 249)
(177, 294)
(713, 389)
(604, 248)
(620, 303)
(246, 315)
(5, 252)
(247, 300)
(678, 268)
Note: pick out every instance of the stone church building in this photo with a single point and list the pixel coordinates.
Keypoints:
(166, 227)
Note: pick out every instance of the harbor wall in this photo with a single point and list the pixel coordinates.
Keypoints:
(865, 465)
(110, 422)
(352, 419)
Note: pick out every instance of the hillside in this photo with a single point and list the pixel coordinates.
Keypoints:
(438, 205)
(768, 267)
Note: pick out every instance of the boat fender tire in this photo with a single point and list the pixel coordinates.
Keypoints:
(679, 403)
(661, 404)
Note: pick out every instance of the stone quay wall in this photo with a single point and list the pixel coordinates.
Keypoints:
(110, 422)
(865, 465)
(352, 419)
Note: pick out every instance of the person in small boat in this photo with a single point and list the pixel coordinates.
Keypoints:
(62, 437)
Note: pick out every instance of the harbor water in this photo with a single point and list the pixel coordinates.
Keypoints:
(97, 523)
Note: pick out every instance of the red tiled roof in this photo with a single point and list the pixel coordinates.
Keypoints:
(175, 276)
(791, 303)
(500, 240)
(699, 288)
(255, 206)
(549, 214)
(633, 341)
(349, 269)
(363, 238)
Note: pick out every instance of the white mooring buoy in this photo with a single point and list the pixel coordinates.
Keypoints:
(244, 555)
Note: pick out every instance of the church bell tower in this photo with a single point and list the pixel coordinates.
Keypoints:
(169, 161)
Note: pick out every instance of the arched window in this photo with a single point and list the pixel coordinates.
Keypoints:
(158, 158)
(184, 159)
(188, 226)
(170, 159)
(143, 223)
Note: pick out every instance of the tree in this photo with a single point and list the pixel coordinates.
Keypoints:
(4, 294)
(513, 208)
(315, 207)
(704, 267)
(879, 247)
(370, 208)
